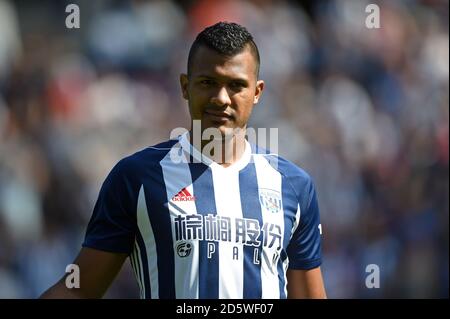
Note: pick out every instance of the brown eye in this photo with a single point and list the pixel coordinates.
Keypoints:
(207, 82)
(237, 85)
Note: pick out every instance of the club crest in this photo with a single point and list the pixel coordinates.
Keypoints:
(270, 200)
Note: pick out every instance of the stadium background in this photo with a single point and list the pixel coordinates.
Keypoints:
(364, 111)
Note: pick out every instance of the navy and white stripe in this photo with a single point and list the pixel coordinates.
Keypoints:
(158, 210)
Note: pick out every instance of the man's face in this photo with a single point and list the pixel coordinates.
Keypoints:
(221, 90)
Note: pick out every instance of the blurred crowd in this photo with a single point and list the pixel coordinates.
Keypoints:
(364, 111)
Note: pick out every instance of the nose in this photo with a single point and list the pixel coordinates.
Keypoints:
(221, 98)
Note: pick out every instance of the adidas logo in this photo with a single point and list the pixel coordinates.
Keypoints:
(183, 196)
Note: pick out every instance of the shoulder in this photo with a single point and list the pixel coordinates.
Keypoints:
(148, 157)
(285, 167)
(298, 178)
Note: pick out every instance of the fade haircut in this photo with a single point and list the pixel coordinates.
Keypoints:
(225, 38)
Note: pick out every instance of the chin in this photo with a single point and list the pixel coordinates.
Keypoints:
(224, 130)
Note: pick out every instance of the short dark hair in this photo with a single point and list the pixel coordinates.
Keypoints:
(226, 38)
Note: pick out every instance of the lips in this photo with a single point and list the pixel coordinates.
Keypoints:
(218, 115)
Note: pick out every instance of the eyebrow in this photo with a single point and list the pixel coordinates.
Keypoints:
(238, 79)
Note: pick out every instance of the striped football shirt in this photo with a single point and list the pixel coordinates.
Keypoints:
(195, 229)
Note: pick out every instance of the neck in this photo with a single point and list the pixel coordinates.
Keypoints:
(225, 150)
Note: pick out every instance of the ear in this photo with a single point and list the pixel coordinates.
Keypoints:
(258, 90)
(184, 82)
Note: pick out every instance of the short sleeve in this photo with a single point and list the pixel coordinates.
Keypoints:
(304, 249)
(112, 226)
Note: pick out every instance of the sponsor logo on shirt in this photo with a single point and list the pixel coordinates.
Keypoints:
(184, 249)
(183, 196)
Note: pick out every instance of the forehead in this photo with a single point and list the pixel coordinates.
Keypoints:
(211, 63)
